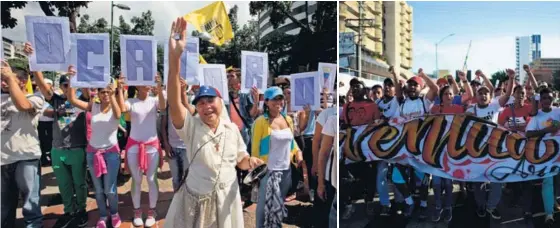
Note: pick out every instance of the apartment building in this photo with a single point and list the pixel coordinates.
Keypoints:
(527, 50)
(12, 49)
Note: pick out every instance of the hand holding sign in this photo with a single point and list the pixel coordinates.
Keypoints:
(306, 91)
(255, 94)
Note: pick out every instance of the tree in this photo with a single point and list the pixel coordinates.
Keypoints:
(316, 41)
(499, 76)
(70, 9)
(556, 77)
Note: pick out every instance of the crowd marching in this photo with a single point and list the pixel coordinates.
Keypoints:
(517, 107)
(210, 147)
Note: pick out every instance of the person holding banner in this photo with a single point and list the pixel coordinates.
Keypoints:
(412, 107)
(489, 109)
(545, 123)
(274, 142)
(209, 193)
(68, 150)
(439, 184)
(20, 150)
(103, 153)
(143, 150)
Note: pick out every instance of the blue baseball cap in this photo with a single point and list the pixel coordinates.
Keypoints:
(272, 92)
(206, 91)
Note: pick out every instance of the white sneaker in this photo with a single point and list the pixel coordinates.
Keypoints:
(137, 221)
(151, 219)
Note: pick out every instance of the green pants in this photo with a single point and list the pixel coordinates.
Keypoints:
(69, 167)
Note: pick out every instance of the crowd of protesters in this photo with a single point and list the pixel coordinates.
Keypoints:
(210, 147)
(530, 108)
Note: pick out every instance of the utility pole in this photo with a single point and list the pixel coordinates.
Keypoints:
(362, 24)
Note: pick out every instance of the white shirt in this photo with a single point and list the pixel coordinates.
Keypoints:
(46, 105)
(414, 108)
(543, 120)
(143, 117)
(325, 114)
(104, 127)
(388, 109)
(491, 112)
(172, 136)
(330, 129)
(280, 145)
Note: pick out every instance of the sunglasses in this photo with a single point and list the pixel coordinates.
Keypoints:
(65, 85)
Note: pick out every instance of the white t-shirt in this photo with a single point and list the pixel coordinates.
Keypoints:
(330, 129)
(543, 120)
(325, 114)
(143, 117)
(42, 117)
(414, 108)
(104, 127)
(491, 112)
(388, 109)
(280, 145)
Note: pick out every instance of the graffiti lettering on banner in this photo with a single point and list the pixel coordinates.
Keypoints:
(459, 147)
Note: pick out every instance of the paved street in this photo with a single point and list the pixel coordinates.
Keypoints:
(464, 216)
(51, 203)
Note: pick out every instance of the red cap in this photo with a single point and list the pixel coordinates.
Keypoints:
(442, 81)
(418, 80)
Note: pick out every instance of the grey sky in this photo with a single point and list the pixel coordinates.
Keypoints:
(163, 12)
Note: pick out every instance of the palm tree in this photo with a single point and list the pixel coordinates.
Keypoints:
(499, 76)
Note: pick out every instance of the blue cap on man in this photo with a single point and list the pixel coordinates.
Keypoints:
(206, 91)
(272, 92)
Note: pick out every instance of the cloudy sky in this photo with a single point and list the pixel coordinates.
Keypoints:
(492, 27)
(162, 11)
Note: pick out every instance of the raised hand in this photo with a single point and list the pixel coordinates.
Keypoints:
(183, 84)
(71, 71)
(28, 49)
(526, 68)
(178, 37)
(462, 76)
(255, 94)
(158, 81)
(6, 70)
(510, 73)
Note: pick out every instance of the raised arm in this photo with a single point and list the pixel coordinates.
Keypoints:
(39, 79)
(86, 106)
(433, 92)
(453, 84)
(254, 112)
(185, 98)
(18, 96)
(120, 94)
(117, 113)
(530, 77)
(177, 112)
(487, 81)
(468, 89)
(509, 90)
(161, 99)
(398, 89)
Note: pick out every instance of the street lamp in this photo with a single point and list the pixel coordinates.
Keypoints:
(123, 7)
(437, 69)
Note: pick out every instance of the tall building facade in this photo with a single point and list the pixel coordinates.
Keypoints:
(12, 49)
(527, 49)
(546, 63)
(386, 37)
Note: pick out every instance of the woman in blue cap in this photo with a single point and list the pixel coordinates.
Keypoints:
(208, 195)
(273, 142)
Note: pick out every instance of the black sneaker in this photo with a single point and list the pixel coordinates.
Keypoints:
(448, 215)
(385, 211)
(370, 209)
(408, 209)
(549, 222)
(81, 218)
(494, 213)
(423, 213)
(64, 221)
(481, 212)
(437, 214)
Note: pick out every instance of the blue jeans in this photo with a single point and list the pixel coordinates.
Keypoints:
(177, 166)
(439, 185)
(285, 186)
(382, 186)
(332, 215)
(548, 195)
(106, 184)
(21, 178)
(490, 202)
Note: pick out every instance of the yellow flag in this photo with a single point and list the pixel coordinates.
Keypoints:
(214, 20)
(29, 85)
(202, 60)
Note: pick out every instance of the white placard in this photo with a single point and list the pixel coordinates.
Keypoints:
(139, 59)
(327, 73)
(189, 61)
(214, 75)
(306, 90)
(254, 71)
(50, 38)
(91, 58)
